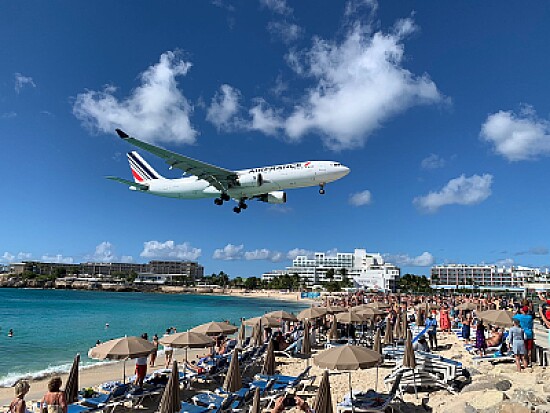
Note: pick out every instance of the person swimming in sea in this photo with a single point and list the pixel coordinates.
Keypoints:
(10, 333)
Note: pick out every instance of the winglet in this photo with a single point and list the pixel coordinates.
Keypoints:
(122, 134)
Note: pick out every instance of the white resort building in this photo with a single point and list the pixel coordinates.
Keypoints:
(368, 271)
(492, 277)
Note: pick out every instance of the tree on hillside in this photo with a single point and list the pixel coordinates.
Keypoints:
(330, 274)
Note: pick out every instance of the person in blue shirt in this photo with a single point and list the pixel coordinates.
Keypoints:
(431, 326)
(526, 323)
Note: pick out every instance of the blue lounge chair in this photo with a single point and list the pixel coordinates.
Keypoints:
(213, 401)
(118, 391)
(192, 408)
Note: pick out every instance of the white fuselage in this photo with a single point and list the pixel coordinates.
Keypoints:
(253, 182)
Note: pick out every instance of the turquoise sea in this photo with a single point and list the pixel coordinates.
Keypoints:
(51, 326)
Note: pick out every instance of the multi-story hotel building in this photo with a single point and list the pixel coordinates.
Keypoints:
(189, 269)
(368, 271)
(480, 276)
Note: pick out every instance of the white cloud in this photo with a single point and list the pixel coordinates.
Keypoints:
(534, 251)
(433, 161)
(423, 260)
(293, 253)
(360, 84)
(264, 254)
(21, 256)
(156, 110)
(103, 253)
(459, 191)
(277, 6)
(517, 137)
(505, 262)
(361, 198)
(264, 118)
(169, 249)
(8, 115)
(7, 257)
(126, 258)
(59, 259)
(224, 106)
(229, 253)
(286, 31)
(22, 81)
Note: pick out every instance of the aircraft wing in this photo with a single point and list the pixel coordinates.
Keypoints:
(136, 185)
(222, 179)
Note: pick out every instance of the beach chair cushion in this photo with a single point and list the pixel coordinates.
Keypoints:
(192, 408)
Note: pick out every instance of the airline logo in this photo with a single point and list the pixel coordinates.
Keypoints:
(140, 169)
(280, 167)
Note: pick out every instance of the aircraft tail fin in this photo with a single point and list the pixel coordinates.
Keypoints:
(141, 170)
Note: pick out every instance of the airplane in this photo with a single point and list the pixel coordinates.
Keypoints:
(265, 184)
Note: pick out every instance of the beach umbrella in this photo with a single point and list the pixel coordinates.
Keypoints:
(266, 321)
(215, 328)
(323, 398)
(501, 318)
(419, 319)
(378, 305)
(349, 317)
(71, 386)
(306, 342)
(335, 309)
(187, 340)
(333, 333)
(397, 331)
(281, 315)
(347, 358)
(257, 334)
(409, 360)
(388, 336)
(170, 401)
(242, 335)
(123, 348)
(233, 380)
(368, 312)
(269, 361)
(405, 326)
(377, 343)
(312, 313)
(468, 306)
(256, 408)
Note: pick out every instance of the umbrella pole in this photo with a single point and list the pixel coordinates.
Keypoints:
(376, 382)
(351, 393)
(124, 372)
(414, 384)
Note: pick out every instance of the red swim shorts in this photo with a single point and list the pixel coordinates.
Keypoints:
(529, 343)
(141, 370)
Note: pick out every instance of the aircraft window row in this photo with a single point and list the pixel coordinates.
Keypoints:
(336, 164)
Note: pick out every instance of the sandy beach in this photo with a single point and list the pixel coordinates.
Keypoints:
(480, 394)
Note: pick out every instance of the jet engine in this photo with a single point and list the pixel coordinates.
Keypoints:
(251, 180)
(275, 197)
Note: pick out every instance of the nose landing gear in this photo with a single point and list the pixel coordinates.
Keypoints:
(322, 189)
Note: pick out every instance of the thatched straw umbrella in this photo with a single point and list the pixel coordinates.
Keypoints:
(388, 337)
(242, 335)
(409, 360)
(258, 335)
(215, 328)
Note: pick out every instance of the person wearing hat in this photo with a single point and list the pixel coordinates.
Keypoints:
(526, 319)
(18, 404)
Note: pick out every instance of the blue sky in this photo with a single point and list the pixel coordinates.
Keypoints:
(440, 109)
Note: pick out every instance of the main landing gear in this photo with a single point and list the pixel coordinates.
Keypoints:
(223, 197)
(241, 206)
(322, 189)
